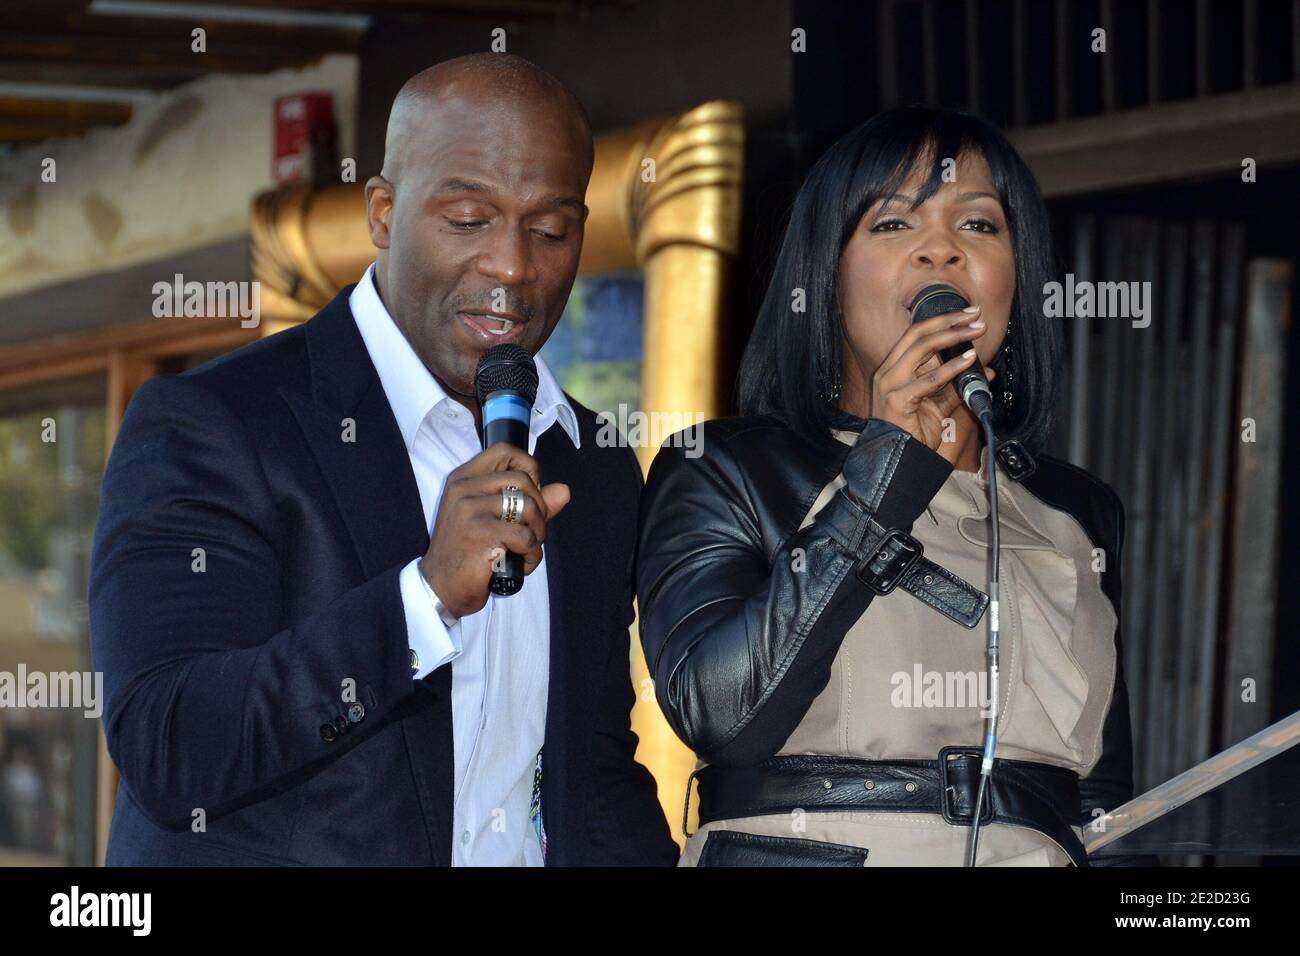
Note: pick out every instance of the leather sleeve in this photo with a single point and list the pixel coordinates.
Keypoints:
(1110, 782)
(738, 642)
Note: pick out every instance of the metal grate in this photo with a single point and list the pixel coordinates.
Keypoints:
(1027, 62)
(1157, 413)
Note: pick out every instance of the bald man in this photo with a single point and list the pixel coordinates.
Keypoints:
(289, 588)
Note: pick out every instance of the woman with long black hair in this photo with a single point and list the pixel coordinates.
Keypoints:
(811, 585)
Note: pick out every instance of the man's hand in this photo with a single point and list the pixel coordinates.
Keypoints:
(468, 533)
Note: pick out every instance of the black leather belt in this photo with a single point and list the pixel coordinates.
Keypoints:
(1021, 792)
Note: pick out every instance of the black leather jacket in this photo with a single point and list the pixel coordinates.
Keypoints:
(739, 644)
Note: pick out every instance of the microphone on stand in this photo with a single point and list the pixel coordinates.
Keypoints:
(506, 385)
(973, 388)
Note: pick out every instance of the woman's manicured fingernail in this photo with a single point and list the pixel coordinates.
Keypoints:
(968, 353)
(971, 308)
(977, 324)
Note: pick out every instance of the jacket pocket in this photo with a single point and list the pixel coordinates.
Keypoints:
(733, 848)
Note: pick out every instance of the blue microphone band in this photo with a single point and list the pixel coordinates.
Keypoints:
(506, 405)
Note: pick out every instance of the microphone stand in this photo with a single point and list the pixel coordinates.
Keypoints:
(991, 650)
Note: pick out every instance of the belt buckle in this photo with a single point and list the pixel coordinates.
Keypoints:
(946, 789)
(889, 561)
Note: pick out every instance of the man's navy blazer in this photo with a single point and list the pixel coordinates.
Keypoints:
(244, 598)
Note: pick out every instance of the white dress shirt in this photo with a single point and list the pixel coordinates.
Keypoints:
(500, 655)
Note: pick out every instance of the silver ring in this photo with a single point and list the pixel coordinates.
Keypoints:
(512, 504)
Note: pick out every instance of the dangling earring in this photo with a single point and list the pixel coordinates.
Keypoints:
(1007, 398)
(830, 391)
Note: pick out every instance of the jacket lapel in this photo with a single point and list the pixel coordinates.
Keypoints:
(357, 443)
(568, 702)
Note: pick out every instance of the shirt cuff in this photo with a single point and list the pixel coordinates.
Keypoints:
(432, 642)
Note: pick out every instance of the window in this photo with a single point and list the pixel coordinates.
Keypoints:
(51, 462)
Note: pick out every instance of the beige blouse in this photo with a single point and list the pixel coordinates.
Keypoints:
(908, 681)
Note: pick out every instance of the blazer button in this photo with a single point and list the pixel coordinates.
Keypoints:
(341, 724)
(356, 712)
(328, 733)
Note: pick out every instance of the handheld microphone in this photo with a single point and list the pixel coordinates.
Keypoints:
(971, 385)
(506, 386)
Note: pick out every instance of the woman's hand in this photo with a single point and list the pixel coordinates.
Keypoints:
(911, 388)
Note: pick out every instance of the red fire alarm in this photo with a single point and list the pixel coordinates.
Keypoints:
(305, 139)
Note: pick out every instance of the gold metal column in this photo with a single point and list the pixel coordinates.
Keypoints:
(689, 231)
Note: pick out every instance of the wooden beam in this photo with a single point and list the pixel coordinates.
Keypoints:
(34, 120)
(46, 8)
(34, 48)
(81, 353)
(24, 107)
(38, 131)
(110, 75)
(156, 42)
(24, 120)
(1168, 142)
(246, 37)
(431, 8)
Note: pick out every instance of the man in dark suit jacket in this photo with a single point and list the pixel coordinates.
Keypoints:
(277, 624)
